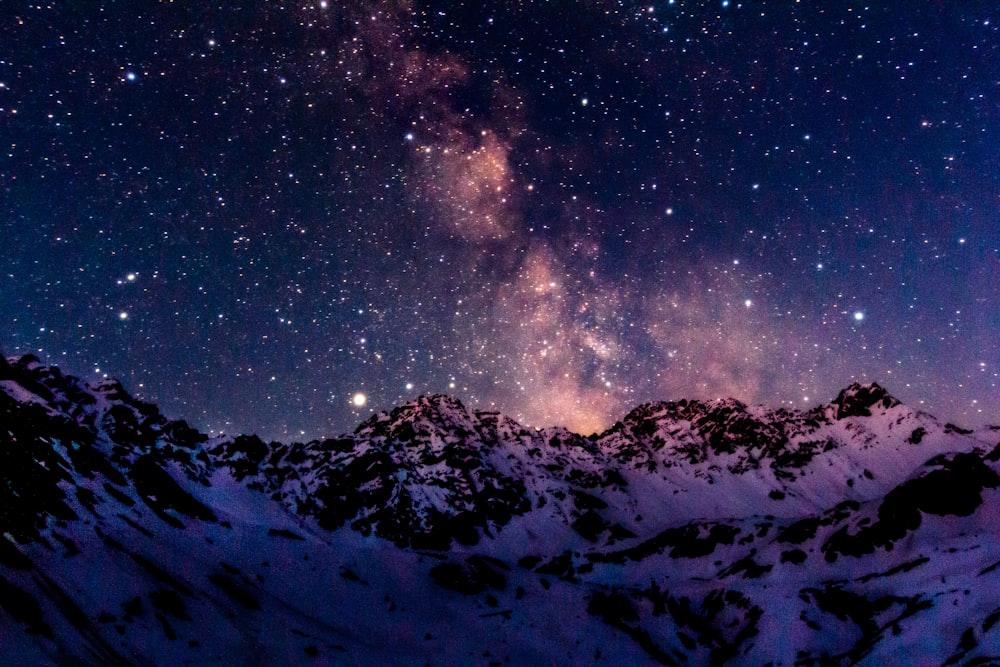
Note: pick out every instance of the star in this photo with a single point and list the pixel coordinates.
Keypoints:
(380, 196)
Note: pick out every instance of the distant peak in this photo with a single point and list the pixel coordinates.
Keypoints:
(685, 408)
(26, 362)
(857, 400)
(434, 408)
(110, 387)
(440, 401)
(428, 405)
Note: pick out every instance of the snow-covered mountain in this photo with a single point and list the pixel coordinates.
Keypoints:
(689, 533)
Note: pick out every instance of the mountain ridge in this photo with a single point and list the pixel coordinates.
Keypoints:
(688, 532)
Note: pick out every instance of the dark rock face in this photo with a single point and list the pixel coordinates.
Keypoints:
(722, 427)
(368, 480)
(24, 608)
(48, 447)
(30, 470)
(475, 575)
(159, 490)
(693, 540)
(800, 531)
(857, 400)
(953, 487)
(690, 432)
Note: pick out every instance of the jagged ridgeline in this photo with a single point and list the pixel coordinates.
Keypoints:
(690, 532)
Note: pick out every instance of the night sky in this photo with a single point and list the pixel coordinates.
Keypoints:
(279, 217)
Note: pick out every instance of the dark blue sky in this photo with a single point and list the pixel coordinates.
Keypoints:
(253, 213)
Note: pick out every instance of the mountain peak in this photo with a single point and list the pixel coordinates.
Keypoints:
(439, 402)
(112, 388)
(857, 400)
(26, 362)
(434, 408)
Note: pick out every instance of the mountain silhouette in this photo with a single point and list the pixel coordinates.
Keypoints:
(690, 532)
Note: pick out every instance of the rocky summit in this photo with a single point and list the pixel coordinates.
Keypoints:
(689, 533)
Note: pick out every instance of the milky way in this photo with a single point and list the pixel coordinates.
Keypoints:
(278, 218)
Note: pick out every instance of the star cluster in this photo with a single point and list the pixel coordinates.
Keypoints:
(278, 217)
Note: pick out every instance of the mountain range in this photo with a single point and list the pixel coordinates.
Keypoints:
(861, 531)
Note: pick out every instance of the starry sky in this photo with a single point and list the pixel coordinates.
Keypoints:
(276, 218)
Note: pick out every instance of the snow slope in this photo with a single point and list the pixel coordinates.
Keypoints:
(860, 531)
